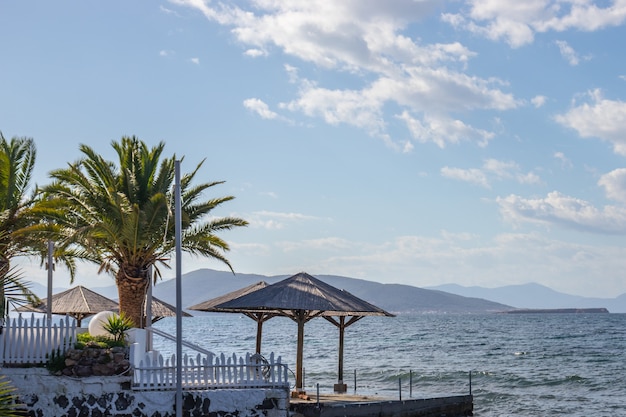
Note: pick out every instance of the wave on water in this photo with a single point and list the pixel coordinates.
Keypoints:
(545, 365)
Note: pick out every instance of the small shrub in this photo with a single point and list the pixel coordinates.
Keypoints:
(85, 340)
(56, 362)
(117, 325)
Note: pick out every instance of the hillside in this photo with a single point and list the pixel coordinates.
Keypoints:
(204, 284)
(535, 296)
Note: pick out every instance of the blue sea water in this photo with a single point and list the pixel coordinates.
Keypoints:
(520, 364)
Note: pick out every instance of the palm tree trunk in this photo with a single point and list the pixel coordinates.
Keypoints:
(132, 294)
(4, 270)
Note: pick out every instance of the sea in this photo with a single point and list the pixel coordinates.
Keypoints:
(513, 364)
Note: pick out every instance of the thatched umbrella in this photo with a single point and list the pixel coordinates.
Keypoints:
(302, 298)
(78, 302)
(161, 309)
(259, 316)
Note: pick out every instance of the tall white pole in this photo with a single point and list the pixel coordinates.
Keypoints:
(179, 298)
(148, 308)
(50, 267)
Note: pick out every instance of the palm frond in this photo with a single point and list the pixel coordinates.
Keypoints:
(16, 289)
(9, 407)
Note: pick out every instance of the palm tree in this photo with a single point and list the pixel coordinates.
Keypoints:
(121, 216)
(17, 160)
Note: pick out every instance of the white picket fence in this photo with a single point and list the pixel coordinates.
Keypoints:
(32, 341)
(25, 341)
(153, 372)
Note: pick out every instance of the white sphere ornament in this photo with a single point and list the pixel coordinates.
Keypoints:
(97, 323)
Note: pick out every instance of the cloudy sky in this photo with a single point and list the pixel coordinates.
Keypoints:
(476, 142)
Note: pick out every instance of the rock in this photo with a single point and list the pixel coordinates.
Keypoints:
(96, 361)
(82, 370)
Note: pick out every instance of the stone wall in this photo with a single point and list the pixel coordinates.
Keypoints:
(92, 361)
(49, 395)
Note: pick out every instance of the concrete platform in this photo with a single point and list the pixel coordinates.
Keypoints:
(330, 399)
(340, 405)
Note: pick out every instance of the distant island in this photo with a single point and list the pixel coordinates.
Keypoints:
(556, 310)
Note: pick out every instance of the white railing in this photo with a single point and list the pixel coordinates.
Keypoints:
(152, 331)
(153, 372)
(24, 341)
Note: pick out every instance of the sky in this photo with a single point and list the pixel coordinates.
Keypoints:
(476, 142)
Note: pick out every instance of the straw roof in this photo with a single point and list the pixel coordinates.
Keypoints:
(259, 316)
(161, 309)
(210, 305)
(78, 302)
(304, 292)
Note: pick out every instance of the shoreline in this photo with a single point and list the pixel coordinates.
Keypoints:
(600, 310)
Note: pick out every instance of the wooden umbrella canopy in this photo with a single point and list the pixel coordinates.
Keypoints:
(302, 298)
(259, 317)
(77, 302)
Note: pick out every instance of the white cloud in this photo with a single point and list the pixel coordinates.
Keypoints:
(565, 162)
(600, 118)
(167, 11)
(561, 210)
(260, 108)
(254, 52)
(362, 109)
(195, 61)
(500, 169)
(285, 216)
(568, 53)
(325, 244)
(166, 53)
(614, 184)
(442, 130)
(528, 178)
(276, 220)
(538, 101)
(450, 236)
(506, 259)
(517, 22)
(473, 175)
(492, 170)
(366, 40)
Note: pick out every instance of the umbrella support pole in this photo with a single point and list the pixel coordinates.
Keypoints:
(340, 387)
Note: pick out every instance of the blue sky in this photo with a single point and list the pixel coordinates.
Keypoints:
(419, 142)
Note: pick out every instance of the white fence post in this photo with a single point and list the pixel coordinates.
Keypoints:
(24, 342)
(153, 372)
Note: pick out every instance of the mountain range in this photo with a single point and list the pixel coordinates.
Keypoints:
(535, 296)
(204, 284)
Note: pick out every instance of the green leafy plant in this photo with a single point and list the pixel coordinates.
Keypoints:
(85, 340)
(56, 362)
(117, 325)
(9, 407)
